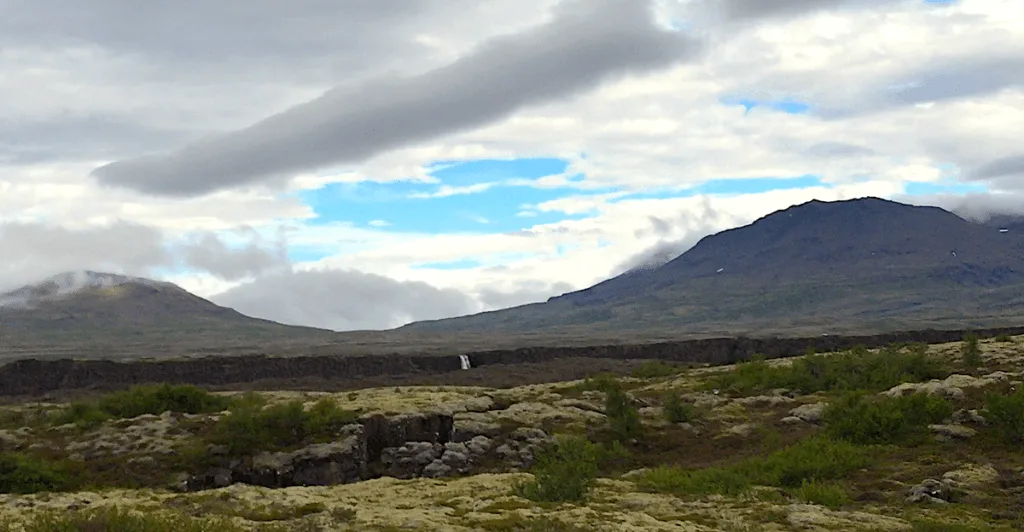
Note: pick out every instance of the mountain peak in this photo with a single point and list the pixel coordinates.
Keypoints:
(857, 261)
(72, 283)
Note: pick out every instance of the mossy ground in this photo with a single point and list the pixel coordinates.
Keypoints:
(124, 467)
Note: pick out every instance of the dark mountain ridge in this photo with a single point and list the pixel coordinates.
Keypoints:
(85, 311)
(867, 238)
(865, 262)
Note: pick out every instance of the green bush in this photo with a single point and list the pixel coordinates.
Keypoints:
(1005, 414)
(623, 417)
(858, 418)
(80, 413)
(601, 382)
(656, 368)
(1004, 339)
(159, 398)
(251, 426)
(677, 410)
(815, 459)
(24, 474)
(971, 351)
(857, 369)
(828, 494)
(563, 472)
(140, 400)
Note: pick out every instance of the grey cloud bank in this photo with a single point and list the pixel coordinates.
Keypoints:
(587, 43)
(343, 300)
(31, 251)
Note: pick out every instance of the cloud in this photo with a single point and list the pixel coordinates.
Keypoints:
(759, 10)
(588, 42)
(32, 251)
(208, 252)
(837, 149)
(344, 300)
(976, 206)
(1005, 171)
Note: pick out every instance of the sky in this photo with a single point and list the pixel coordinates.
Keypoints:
(363, 164)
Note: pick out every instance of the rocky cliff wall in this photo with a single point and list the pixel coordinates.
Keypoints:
(35, 377)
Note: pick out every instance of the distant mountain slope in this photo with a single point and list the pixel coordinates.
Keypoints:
(91, 308)
(846, 265)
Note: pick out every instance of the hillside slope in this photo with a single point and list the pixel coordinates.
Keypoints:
(864, 264)
(80, 312)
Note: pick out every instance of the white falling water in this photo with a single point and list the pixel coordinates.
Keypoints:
(464, 361)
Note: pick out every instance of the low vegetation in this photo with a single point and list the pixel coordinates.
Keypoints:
(656, 368)
(20, 473)
(564, 472)
(121, 520)
(1005, 413)
(677, 410)
(816, 459)
(251, 425)
(971, 352)
(857, 369)
(864, 454)
(140, 400)
(860, 418)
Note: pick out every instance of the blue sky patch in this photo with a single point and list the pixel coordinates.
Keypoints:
(492, 209)
(949, 187)
(463, 264)
(785, 105)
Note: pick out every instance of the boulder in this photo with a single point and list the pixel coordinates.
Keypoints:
(470, 425)
(952, 432)
(933, 491)
(479, 445)
(810, 413)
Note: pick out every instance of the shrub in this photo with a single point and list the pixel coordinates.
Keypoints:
(1005, 414)
(1004, 339)
(812, 459)
(828, 494)
(159, 398)
(859, 419)
(140, 400)
(656, 368)
(852, 370)
(80, 413)
(601, 382)
(816, 459)
(970, 351)
(23, 474)
(678, 411)
(623, 417)
(563, 472)
(251, 426)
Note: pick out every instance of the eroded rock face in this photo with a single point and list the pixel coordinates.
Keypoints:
(404, 446)
(339, 462)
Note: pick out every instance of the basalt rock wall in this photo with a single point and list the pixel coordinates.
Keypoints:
(35, 377)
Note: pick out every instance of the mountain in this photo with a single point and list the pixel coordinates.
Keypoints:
(845, 266)
(80, 313)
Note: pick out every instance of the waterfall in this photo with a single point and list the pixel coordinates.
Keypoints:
(464, 361)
